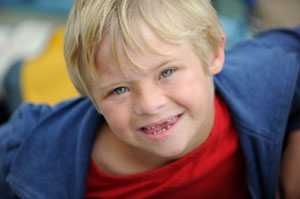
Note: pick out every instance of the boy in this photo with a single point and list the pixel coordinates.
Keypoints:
(172, 123)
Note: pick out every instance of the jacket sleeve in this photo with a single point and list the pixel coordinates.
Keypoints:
(289, 41)
(12, 134)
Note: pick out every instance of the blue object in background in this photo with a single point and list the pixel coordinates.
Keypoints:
(234, 15)
(250, 2)
(235, 30)
(51, 6)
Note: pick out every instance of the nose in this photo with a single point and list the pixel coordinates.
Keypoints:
(150, 100)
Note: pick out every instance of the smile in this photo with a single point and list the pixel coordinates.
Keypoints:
(160, 129)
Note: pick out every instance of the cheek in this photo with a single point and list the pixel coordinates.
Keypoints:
(194, 92)
(193, 100)
(117, 117)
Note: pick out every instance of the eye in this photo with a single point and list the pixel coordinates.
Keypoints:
(120, 90)
(167, 72)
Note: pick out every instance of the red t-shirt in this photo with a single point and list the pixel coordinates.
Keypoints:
(213, 170)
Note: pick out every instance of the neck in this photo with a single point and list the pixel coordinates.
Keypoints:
(117, 158)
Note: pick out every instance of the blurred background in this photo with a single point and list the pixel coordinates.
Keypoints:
(32, 67)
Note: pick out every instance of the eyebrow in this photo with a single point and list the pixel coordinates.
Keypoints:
(111, 84)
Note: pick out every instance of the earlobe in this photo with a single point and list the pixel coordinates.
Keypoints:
(218, 59)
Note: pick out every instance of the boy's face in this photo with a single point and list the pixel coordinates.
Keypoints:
(165, 109)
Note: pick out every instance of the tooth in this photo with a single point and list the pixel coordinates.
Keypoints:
(160, 128)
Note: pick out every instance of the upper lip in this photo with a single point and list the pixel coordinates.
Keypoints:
(159, 121)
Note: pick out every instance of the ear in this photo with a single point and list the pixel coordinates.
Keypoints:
(218, 58)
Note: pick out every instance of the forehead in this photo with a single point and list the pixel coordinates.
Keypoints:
(152, 51)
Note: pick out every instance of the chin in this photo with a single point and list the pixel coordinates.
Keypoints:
(173, 154)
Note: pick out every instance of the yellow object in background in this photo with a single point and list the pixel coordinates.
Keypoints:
(44, 79)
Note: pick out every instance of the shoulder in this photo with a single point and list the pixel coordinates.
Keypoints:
(260, 78)
(288, 39)
(13, 133)
(23, 123)
(46, 136)
(28, 115)
(271, 60)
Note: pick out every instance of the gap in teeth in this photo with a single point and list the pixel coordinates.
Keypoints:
(160, 128)
(157, 131)
(167, 123)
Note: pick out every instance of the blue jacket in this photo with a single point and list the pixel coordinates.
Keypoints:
(45, 151)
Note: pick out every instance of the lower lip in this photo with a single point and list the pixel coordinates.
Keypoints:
(164, 134)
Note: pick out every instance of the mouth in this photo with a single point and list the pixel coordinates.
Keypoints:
(162, 128)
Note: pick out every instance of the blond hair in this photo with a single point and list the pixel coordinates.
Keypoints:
(174, 21)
